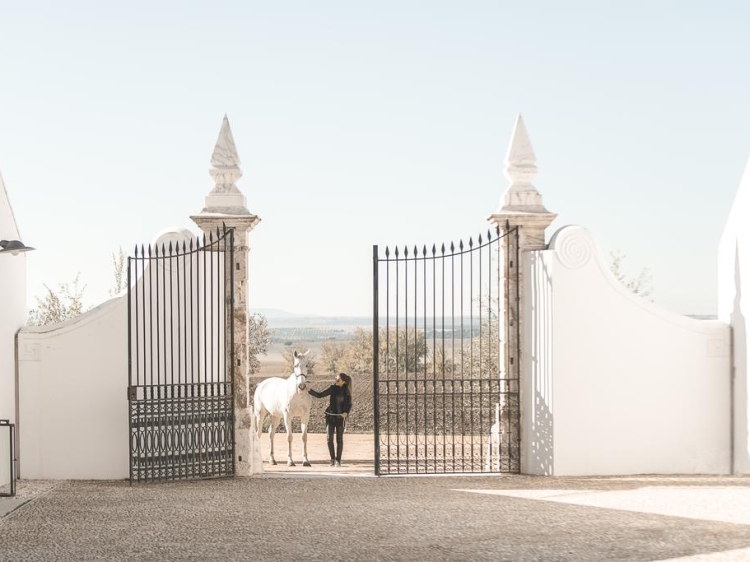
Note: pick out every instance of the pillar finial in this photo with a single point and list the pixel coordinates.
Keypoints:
(520, 169)
(521, 203)
(226, 198)
(225, 161)
(520, 160)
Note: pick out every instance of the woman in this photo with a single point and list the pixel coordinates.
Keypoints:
(336, 413)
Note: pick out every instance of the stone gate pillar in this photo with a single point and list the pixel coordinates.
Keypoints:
(522, 208)
(226, 205)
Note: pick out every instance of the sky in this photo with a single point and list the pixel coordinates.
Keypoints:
(362, 123)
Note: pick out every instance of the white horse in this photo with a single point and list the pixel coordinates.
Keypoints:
(285, 398)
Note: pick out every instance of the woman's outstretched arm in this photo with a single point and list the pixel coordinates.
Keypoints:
(316, 394)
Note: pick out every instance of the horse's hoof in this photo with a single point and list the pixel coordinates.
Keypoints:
(273, 462)
(306, 463)
(290, 463)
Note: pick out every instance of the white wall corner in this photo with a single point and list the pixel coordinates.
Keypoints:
(733, 306)
(12, 318)
(537, 420)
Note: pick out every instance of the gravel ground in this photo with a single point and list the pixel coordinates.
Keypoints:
(324, 517)
(30, 489)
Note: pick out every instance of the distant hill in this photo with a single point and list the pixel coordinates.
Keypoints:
(289, 327)
(277, 313)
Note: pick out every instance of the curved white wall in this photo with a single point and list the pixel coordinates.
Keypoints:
(73, 402)
(612, 383)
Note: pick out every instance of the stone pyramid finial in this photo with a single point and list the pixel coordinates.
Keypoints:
(8, 230)
(225, 197)
(225, 161)
(225, 153)
(520, 169)
(520, 160)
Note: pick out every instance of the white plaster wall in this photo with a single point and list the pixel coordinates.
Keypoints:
(733, 307)
(537, 445)
(73, 401)
(12, 317)
(613, 384)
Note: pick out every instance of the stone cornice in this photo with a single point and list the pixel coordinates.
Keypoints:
(515, 217)
(245, 222)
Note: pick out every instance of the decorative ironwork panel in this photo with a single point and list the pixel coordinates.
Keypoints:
(181, 359)
(446, 373)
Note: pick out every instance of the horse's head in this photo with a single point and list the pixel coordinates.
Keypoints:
(300, 369)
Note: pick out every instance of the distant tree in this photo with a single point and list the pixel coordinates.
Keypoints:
(357, 357)
(118, 263)
(354, 356)
(58, 306)
(332, 356)
(641, 285)
(480, 355)
(258, 340)
(403, 350)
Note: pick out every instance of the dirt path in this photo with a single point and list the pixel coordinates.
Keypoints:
(357, 459)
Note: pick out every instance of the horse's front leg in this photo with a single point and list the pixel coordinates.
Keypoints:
(288, 426)
(260, 417)
(271, 433)
(305, 460)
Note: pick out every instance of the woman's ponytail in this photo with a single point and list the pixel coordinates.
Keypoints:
(348, 380)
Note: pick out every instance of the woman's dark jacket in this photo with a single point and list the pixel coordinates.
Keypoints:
(341, 401)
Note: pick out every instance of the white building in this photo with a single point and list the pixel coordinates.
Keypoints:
(12, 318)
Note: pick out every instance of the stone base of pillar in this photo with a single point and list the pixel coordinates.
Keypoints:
(256, 458)
(248, 461)
(510, 446)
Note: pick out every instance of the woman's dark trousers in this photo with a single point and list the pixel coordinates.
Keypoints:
(335, 423)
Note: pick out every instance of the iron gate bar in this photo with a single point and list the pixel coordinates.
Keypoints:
(130, 372)
(442, 339)
(516, 241)
(230, 319)
(398, 410)
(376, 356)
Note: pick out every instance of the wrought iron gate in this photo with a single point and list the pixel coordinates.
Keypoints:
(445, 354)
(181, 358)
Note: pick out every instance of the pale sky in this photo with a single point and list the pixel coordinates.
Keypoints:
(372, 123)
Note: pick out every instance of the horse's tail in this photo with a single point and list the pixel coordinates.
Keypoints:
(255, 397)
(258, 404)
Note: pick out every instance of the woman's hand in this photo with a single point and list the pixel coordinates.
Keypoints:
(344, 415)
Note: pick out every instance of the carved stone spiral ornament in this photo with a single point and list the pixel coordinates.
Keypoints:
(574, 247)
